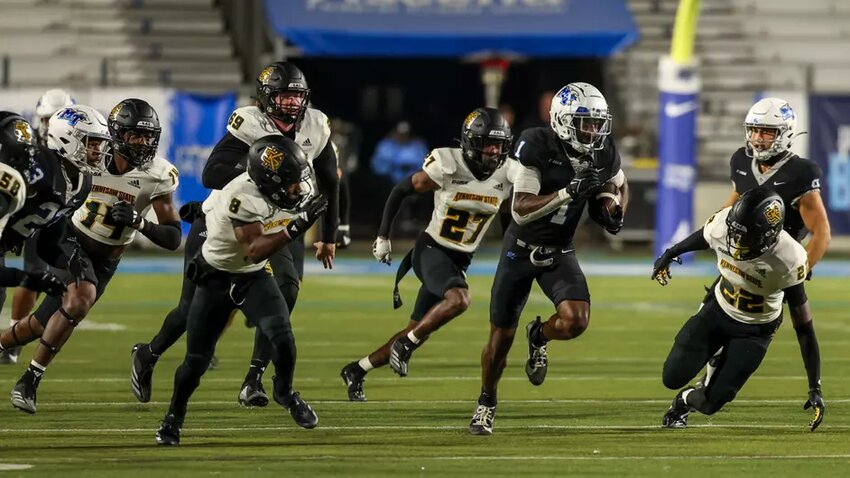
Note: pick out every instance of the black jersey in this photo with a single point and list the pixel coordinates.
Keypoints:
(541, 149)
(50, 197)
(791, 178)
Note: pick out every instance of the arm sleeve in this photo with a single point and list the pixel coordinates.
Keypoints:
(167, 236)
(327, 178)
(401, 190)
(226, 161)
(526, 180)
(694, 242)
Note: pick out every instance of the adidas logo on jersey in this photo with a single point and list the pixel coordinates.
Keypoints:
(135, 183)
(458, 181)
(306, 142)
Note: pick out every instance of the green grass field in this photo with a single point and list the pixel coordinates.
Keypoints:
(598, 413)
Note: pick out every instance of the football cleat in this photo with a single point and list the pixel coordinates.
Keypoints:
(300, 411)
(10, 356)
(354, 376)
(169, 431)
(253, 395)
(141, 373)
(400, 354)
(23, 395)
(677, 415)
(538, 359)
(482, 420)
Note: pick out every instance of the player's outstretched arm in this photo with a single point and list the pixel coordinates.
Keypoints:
(661, 268)
(418, 182)
(814, 217)
(801, 317)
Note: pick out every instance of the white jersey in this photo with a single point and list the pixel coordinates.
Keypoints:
(12, 184)
(464, 206)
(137, 187)
(752, 291)
(242, 202)
(248, 124)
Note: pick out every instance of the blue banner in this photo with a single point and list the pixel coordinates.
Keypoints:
(585, 28)
(678, 107)
(198, 122)
(829, 146)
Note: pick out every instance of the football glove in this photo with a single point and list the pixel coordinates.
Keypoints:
(584, 184)
(310, 213)
(43, 281)
(77, 265)
(343, 236)
(382, 250)
(815, 402)
(661, 268)
(124, 214)
(191, 210)
(610, 222)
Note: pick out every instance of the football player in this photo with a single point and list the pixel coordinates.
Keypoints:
(59, 180)
(765, 159)
(282, 109)
(760, 265)
(470, 184)
(17, 148)
(255, 215)
(134, 181)
(562, 166)
(24, 299)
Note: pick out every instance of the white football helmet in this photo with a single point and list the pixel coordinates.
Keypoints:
(579, 115)
(80, 135)
(770, 113)
(48, 104)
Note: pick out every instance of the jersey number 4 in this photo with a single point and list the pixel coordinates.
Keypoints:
(454, 225)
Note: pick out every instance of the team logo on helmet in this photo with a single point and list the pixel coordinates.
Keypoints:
(786, 112)
(265, 74)
(271, 158)
(73, 116)
(773, 213)
(567, 96)
(470, 118)
(23, 132)
(113, 115)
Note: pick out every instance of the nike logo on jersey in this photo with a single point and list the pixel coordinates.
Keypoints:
(135, 183)
(777, 183)
(306, 142)
(742, 173)
(674, 110)
(555, 161)
(458, 181)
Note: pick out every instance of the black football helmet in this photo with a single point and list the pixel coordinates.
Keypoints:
(482, 127)
(134, 117)
(278, 78)
(17, 141)
(754, 223)
(276, 164)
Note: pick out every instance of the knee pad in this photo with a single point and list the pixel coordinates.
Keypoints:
(70, 318)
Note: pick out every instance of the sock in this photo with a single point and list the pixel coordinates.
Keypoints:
(685, 395)
(487, 399)
(365, 364)
(36, 370)
(255, 371)
(412, 338)
(537, 337)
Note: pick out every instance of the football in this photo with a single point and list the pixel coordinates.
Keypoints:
(608, 197)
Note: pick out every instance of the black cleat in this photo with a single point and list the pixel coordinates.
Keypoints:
(169, 431)
(482, 420)
(354, 376)
(538, 359)
(10, 356)
(677, 415)
(253, 395)
(400, 353)
(141, 372)
(23, 395)
(301, 412)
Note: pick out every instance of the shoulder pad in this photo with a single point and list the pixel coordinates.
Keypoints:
(447, 159)
(248, 124)
(317, 125)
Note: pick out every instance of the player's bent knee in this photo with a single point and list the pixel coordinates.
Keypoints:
(79, 303)
(458, 300)
(672, 378)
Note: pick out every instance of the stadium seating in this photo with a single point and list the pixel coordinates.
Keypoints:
(117, 42)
